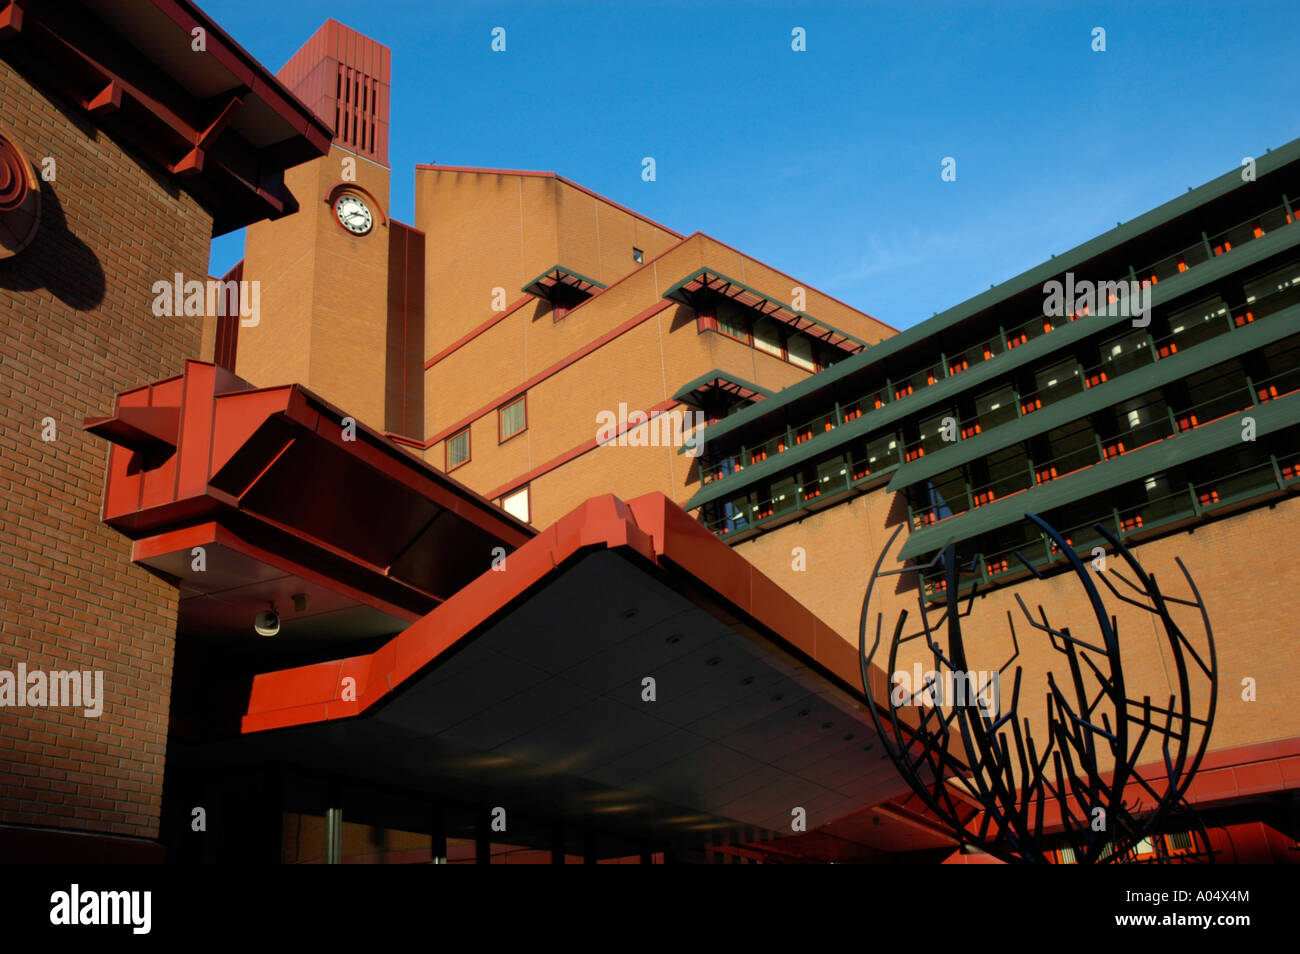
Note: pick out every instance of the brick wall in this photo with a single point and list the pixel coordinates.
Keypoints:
(76, 327)
(1240, 565)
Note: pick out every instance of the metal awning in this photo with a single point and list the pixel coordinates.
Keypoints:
(558, 282)
(714, 382)
(529, 685)
(284, 471)
(703, 281)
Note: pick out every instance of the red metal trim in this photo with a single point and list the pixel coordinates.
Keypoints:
(139, 428)
(215, 534)
(11, 19)
(502, 439)
(381, 217)
(446, 451)
(528, 496)
(571, 454)
(650, 528)
(249, 72)
(487, 325)
(227, 437)
(554, 369)
(470, 336)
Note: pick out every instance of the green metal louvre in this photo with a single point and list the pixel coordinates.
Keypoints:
(1184, 364)
(1050, 269)
(947, 390)
(676, 293)
(1102, 477)
(710, 376)
(535, 287)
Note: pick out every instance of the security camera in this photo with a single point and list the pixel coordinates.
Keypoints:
(267, 622)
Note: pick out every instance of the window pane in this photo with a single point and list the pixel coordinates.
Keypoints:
(732, 320)
(1122, 355)
(767, 337)
(883, 452)
(1060, 380)
(799, 349)
(458, 449)
(516, 504)
(512, 419)
(996, 407)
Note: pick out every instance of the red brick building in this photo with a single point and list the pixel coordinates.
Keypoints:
(133, 166)
(536, 530)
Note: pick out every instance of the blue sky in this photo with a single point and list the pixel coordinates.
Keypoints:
(826, 163)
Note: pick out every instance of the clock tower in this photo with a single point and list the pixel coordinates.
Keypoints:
(342, 284)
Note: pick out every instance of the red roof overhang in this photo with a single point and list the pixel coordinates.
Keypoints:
(523, 676)
(532, 677)
(279, 469)
(213, 117)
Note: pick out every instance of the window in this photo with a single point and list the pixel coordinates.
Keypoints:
(800, 352)
(733, 321)
(457, 449)
(785, 495)
(767, 337)
(638, 256)
(512, 419)
(1058, 381)
(516, 504)
(1124, 354)
(996, 407)
(932, 431)
(882, 452)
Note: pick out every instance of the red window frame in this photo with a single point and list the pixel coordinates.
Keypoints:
(446, 450)
(528, 496)
(501, 439)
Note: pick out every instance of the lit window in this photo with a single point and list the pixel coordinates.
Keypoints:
(457, 449)
(638, 256)
(512, 419)
(516, 504)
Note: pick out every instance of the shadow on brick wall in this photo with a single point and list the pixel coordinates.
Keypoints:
(56, 260)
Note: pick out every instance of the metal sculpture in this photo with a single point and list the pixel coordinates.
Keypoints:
(985, 775)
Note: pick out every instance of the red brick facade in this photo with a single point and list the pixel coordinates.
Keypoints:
(77, 329)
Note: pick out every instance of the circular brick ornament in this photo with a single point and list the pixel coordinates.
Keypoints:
(20, 199)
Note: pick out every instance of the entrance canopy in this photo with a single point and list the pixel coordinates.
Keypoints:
(622, 668)
(624, 662)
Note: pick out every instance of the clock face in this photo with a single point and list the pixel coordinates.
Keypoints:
(353, 214)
